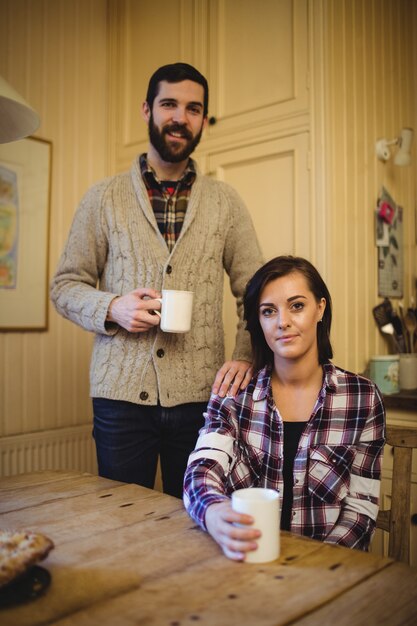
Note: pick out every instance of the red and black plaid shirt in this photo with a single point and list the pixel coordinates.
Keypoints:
(337, 467)
(169, 201)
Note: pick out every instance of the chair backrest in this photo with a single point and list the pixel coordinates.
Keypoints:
(397, 521)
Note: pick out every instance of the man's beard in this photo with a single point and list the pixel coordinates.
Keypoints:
(165, 150)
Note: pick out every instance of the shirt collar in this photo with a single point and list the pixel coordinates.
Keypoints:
(263, 382)
(150, 177)
(330, 377)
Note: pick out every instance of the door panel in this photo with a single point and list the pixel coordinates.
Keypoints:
(272, 178)
(258, 61)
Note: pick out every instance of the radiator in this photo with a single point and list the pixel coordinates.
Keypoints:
(63, 448)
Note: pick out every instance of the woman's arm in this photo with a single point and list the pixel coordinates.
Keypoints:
(218, 466)
(208, 503)
(356, 523)
(211, 462)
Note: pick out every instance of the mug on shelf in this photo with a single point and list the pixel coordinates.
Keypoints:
(383, 370)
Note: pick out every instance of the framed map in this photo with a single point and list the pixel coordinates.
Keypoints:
(24, 234)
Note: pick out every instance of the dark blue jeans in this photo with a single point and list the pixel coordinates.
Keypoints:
(130, 437)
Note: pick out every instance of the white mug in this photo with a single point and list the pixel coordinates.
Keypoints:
(263, 505)
(176, 310)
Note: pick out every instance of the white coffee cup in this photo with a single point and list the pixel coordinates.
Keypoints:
(263, 505)
(176, 310)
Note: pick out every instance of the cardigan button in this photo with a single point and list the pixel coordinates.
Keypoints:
(144, 395)
(169, 269)
(160, 353)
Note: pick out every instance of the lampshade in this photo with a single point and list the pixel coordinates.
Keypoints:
(17, 118)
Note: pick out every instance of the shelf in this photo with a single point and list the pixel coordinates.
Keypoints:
(404, 400)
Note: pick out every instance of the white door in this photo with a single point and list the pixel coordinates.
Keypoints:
(272, 178)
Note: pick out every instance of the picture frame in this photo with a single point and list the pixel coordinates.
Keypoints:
(25, 189)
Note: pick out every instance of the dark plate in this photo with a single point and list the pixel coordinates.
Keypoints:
(27, 587)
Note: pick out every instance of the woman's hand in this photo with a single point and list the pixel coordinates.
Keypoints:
(233, 540)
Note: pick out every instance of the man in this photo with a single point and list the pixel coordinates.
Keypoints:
(161, 225)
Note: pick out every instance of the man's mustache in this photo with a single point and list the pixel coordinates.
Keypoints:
(178, 128)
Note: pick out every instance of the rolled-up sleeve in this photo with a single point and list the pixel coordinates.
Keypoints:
(212, 460)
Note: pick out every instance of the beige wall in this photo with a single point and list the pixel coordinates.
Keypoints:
(54, 52)
(368, 94)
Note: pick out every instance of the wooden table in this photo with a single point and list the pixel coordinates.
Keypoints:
(129, 555)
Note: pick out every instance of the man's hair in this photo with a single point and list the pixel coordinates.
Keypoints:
(175, 73)
(276, 268)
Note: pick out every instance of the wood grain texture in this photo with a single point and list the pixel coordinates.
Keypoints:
(397, 520)
(128, 555)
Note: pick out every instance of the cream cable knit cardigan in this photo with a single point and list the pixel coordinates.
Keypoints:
(115, 244)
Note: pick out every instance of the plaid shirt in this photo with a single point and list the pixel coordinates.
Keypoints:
(169, 208)
(337, 466)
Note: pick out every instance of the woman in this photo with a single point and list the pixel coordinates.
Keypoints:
(303, 426)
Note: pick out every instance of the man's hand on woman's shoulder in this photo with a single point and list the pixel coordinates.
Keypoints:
(232, 377)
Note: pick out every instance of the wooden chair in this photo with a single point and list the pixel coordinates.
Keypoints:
(397, 521)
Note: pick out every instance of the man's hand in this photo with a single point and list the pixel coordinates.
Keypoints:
(233, 540)
(135, 310)
(232, 377)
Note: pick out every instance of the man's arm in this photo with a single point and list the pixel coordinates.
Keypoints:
(74, 287)
(232, 376)
(242, 257)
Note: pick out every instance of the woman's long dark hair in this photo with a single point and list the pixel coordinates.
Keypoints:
(276, 268)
